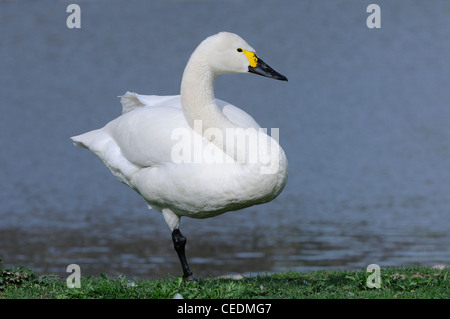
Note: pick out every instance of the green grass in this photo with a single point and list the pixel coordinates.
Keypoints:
(396, 283)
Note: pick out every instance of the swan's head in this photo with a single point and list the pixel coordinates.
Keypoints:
(228, 53)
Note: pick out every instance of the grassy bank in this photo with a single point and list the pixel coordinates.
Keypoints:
(401, 283)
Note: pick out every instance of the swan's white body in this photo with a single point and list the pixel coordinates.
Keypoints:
(144, 145)
(137, 148)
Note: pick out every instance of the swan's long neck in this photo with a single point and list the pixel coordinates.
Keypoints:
(199, 106)
(197, 98)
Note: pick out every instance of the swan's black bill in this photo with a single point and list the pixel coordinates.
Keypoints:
(263, 69)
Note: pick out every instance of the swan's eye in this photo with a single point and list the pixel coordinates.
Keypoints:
(239, 50)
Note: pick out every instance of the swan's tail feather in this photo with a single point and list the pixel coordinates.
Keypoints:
(130, 101)
(89, 140)
(102, 145)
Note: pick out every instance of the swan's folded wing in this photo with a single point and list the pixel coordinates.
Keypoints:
(145, 135)
(131, 101)
(237, 115)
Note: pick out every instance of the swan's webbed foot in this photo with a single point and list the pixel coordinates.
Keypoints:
(179, 243)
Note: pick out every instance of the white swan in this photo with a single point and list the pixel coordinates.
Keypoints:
(191, 154)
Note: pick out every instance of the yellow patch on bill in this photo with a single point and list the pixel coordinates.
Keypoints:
(252, 58)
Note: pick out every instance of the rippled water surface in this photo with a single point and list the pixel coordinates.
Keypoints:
(364, 121)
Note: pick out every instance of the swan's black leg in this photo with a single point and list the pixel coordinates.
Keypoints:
(179, 242)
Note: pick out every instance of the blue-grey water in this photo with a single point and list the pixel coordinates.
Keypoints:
(364, 121)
